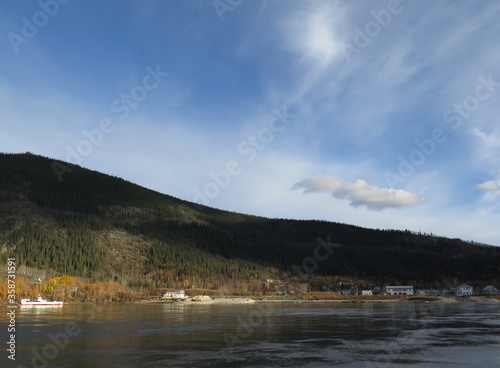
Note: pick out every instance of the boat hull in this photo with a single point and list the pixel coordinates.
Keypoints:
(34, 304)
(39, 302)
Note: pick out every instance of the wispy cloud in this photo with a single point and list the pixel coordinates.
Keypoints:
(312, 34)
(490, 142)
(360, 193)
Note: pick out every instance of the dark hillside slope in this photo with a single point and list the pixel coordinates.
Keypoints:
(103, 227)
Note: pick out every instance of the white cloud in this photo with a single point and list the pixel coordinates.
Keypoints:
(360, 193)
(489, 186)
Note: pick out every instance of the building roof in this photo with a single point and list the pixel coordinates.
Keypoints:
(489, 287)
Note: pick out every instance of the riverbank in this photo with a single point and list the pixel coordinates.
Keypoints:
(204, 299)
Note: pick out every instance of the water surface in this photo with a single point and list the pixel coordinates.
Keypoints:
(259, 335)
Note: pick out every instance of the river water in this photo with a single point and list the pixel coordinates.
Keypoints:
(401, 334)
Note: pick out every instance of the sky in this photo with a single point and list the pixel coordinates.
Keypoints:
(381, 114)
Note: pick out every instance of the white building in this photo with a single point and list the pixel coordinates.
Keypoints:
(399, 290)
(174, 295)
(366, 292)
(463, 290)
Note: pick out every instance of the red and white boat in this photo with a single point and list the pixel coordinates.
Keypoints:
(39, 301)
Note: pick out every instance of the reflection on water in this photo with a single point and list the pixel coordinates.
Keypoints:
(258, 335)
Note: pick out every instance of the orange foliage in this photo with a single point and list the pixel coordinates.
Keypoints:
(66, 288)
(4, 291)
(23, 289)
(101, 291)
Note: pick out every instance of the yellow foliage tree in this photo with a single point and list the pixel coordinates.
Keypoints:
(68, 285)
(49, 288)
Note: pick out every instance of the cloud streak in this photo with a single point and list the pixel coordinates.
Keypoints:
(360, 193)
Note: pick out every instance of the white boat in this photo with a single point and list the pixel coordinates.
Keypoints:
(39, 301)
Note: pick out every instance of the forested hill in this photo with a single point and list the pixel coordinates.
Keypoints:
(101, 227)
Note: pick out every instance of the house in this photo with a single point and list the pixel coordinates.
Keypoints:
(174, 295)
(366, 292)
(491, 290)
(399, 290)
(463, 290)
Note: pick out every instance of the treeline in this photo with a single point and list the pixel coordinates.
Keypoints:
(71, 250)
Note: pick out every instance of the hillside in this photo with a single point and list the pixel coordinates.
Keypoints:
(100, 227)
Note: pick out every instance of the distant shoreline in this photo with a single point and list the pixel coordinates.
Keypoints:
(276, 300)
(352, 300)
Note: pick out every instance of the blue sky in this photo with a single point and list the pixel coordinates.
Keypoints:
(381, 114)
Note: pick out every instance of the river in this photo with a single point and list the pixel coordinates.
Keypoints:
(400, 334)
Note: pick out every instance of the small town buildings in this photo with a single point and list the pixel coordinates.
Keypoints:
(366, 292)
(175, 295)
(399, 290)
(463, 290)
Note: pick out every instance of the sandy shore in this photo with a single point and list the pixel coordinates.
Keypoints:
(204, 299)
